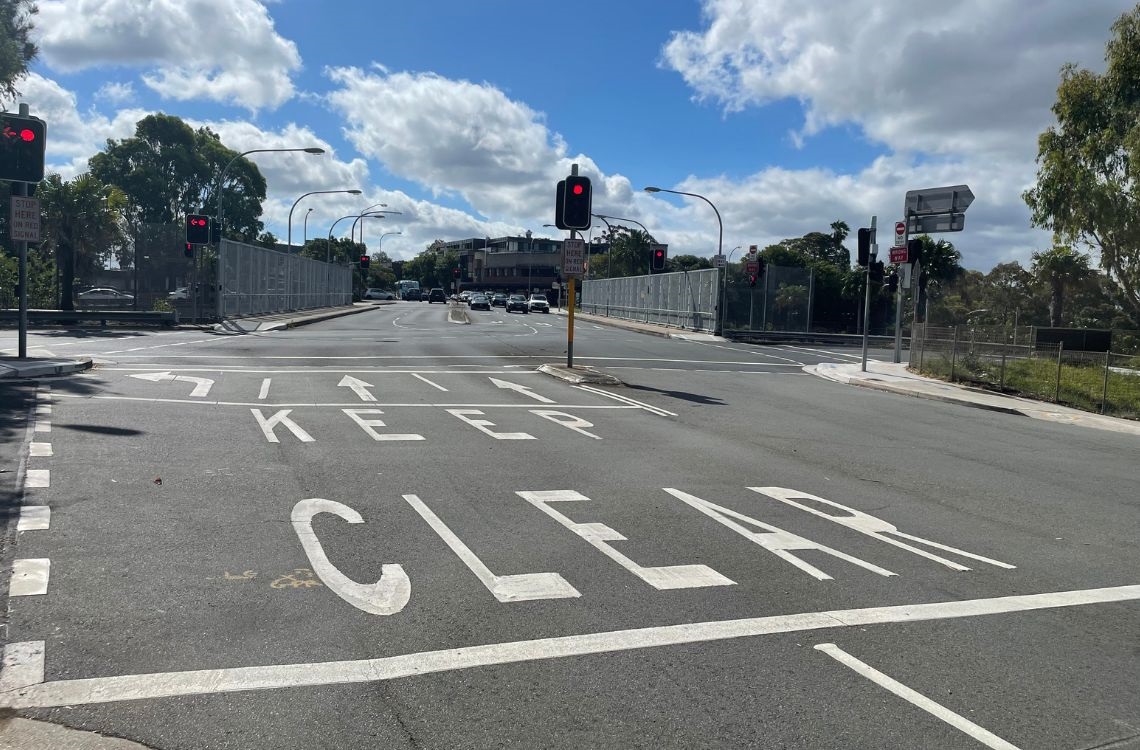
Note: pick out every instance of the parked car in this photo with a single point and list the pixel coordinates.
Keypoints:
(378, 294)
(499, 300)
(105, 296)
(538, 303)
(517, 303)
(480, 302)
(182, 292)
(437, 295)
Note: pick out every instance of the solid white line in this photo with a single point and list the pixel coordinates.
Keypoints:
(34, 518)
(23, 665)
(378, 370)
(961, 723)
(625, 399)
(353, 404)
(434, 385)
(264, 388)
(29, 577)
(39, 450)
(209, 681)
(821, 351)
(37, 478)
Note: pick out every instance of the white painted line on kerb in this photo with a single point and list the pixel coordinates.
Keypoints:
(23, 665)
(34, 518)
(29, 577)
(264, 388)
(433, 385)
(209, 681)
(961, 723)
(39, 450)
(37, 478)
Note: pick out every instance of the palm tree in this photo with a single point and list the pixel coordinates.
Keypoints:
(1060, 267)
(82, 224)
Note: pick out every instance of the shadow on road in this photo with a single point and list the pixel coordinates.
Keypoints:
(696, 398)
(99, 429)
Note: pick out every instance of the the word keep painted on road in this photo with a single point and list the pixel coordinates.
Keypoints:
(392, 591)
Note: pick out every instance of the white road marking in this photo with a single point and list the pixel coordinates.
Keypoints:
(433, 385)
(341, 404)
(43, 408)
(756, 351)
(822, 351)
(281, 417)
(43, 425)
(387, 596)
(368, 424)
(359, 387)
(23, 665)
(34, 518)
(959, 722)
(37, 478)
(30, 577)
(779, 542)
(625, 399)
(484, 425)
(212, 681)
(568, 421)
(264, 388)
(507, 385)
(876, 528)
(202, 386)
(513, 588)
(598, 534)
(39, 450)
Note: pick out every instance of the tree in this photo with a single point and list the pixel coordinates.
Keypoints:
(941, 265)
(16, 47)
(687, 263)
(81, 226)
(628, 253)
(1008, 292)
(1087, 188)
(1060, 268)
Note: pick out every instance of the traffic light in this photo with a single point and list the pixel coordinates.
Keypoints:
(215, 233)
(657, 257)
(455, 272)
(893, 281)
(573, 203)
(759, 267)
(864, 246)
(22, 141)
(188, 251)
(364, 261)
(876, 269)
(913, 251)
(198, 229)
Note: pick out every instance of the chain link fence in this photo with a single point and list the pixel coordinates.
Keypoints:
(686, 299)
(1102, 382)
(780, 301)
(255, 280)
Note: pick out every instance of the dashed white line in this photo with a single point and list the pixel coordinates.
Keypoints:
(29, 577)
(39, 450)
(264, 388)
(34, 518)
(37, 478)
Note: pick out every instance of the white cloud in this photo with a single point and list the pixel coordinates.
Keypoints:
(224, 50)
(115, 93)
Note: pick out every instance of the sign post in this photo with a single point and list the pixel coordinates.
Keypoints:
(867, 291)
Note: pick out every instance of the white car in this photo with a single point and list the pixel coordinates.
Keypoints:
(538, 303)
(378, 294)
(182, 292)
(105, 295)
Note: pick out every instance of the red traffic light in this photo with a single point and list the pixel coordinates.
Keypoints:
(27, 135)
(578, 189)
(197, 221)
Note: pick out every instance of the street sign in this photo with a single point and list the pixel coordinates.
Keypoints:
(905, 274)
(24, 223)
(573, 257)
(752, 267)
(899, 254)
(752, 251)
(953, 199)
(934, 223)
(900, 234)
(719, 261)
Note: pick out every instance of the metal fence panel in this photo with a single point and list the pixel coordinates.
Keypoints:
(256, 281)
(685, 299)
(780, 301)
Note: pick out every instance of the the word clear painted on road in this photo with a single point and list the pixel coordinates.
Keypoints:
(876, 528)
(369, 425)
(485, 425)
(777, 541)
(387, 596)
(510, 588)
(598, 535)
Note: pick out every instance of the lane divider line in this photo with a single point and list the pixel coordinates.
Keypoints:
(34, 518)
(37, 478)
(23, 665)
(40, 450)
(30, 577)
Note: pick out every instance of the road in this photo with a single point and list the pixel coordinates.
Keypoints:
(388, 530)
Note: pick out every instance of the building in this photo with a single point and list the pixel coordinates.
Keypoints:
(511, 264)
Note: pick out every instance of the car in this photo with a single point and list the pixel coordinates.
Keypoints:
(499, 300)
(413, 295)
(538, 303)
(378, 294)
(480, 302)
(437, 295)
(517, 303)
(465, 295)
(105, 296)
(182, 292)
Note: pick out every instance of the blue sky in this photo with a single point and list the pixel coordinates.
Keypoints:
(787, 114)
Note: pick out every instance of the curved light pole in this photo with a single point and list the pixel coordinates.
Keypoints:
(222, 176)
(638, 223)
(720, 224)
(305, 236)
(289, 233)
(379, 242)
(724, 287)
(367, 212)
(374, 205)
(328, 246)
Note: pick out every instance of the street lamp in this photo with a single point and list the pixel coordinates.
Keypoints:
(720, 224)
(328, 246)
(374, 205)
(638, 223)
(724, 287)
(380, 242)
(367, 212)
(305, 236)
(289, 233)
(222, 176)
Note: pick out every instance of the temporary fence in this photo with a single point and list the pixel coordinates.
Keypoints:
(780, 300)
(685, 299)
(256, 280)
(1103, 382)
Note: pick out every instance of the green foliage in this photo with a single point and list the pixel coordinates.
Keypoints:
(1060, 267)
(162, 304)
(687, 263)
(41, 279)
(16, 46)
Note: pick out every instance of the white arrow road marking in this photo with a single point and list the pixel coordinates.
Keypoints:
(359, 387)
(521, 389)
(387, 596)
(202, 386)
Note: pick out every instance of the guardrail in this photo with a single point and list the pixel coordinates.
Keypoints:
(153, 317)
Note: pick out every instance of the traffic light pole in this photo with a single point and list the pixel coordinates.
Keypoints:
(899, 299)
(20, 189)
(867, 292)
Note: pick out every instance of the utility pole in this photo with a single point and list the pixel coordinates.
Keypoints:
(867, 291)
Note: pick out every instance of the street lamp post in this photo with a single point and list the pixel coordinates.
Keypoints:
(379, 242)
(222, 176)
(289, 231)
(720, 224)
(724, 287)
(352, 234)
(328, 245)
(367, 212)
(638, 223)
(305, 235)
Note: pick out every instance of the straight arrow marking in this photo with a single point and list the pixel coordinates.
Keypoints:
(359, 387)
(521, 389)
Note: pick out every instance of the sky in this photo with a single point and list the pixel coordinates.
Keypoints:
(787, 115)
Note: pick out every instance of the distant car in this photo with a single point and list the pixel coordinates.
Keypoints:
(437, 295)
(480, 302)
(517, 303)
(499, 300)
(413, 295)
(104, 296)
(538, 303)
(182, 292)
(378, 294)
(465, 296)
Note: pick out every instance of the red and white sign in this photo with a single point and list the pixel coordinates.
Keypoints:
(899, 254)
(900, 234)
(24, 224)
(752, 267)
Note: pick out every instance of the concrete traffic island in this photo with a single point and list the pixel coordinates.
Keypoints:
(579, 375)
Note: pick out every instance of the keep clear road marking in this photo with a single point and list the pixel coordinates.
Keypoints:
(264, 392)
(521, 389)
(359, 387)
(513, 588)
(211, 681)
(433, 385)
(201, 385)
(281, 417)
(626, 400)
(961, 723)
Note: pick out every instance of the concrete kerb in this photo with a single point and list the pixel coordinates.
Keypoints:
(457, 315)
(647, 328)
(32, 368)
(579, 375)
(249, 325)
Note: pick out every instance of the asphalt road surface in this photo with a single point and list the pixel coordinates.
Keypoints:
(391, 531)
